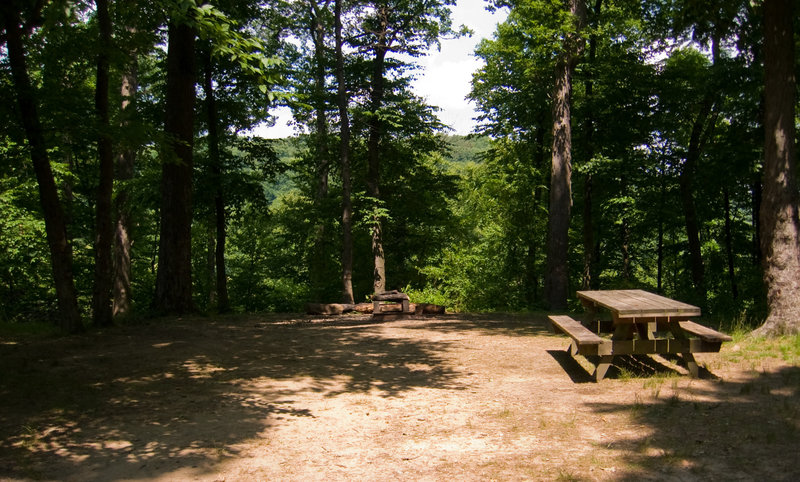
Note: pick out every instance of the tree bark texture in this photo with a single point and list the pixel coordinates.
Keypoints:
(104, 228)
(373, 167)
(780, 226)
(124, 167)
(174, 277)
(344, 160)
(55, 225)
(557, 271)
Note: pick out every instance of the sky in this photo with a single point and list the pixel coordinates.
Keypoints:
(444, 79)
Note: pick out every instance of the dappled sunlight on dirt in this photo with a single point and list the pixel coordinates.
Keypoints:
(472, 397)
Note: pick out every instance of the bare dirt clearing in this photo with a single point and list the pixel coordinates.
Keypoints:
(298, 398)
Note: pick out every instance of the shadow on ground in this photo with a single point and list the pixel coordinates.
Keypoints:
(743, 430)
(505, 324)
(159, 397)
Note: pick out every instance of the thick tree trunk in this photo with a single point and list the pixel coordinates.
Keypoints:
(55, 226)
(319, 254)
(122, 239)
(344, 159)
(557, 272)
(221, 281)
(104, 229)
(556, 284)
(780, 225)
(373, 168)
(174, 277)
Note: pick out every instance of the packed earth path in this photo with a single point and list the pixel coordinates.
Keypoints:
(459, 397)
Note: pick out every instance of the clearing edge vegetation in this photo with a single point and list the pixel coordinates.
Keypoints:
(467, 397)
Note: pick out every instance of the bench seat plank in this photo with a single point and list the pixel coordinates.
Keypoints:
(704, 332)
(575, 330)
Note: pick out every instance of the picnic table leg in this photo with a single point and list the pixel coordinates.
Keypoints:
(602, 367)
(646, 331)
(572, 349)
(688, 357)
(691, 365)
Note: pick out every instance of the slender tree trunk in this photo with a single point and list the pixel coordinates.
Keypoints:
(686, 183)
(557, 271)
(729, 244)
(55, 226)
(125, 162)
(625, 232)
(174, 277)
(780, 224)
(588, 221)
(344, 159)
(660, 241)
(223, 304)
(211, 264)
(319, 255)
(373, 168)
(104, 228)
(532, 272)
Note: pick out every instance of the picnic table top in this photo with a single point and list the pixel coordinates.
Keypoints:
(638, 304)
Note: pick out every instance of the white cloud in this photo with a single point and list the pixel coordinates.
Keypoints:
(446, 74)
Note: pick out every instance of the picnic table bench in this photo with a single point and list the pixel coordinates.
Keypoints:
(381, 301)
(643, 323)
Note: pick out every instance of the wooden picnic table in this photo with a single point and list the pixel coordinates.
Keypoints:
(642, 323)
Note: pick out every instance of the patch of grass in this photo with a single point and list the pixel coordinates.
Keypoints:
(626, 374)
(746, 347)
(566, 476)
(504, 413)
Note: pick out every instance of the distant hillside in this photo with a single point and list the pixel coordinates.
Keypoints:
(466, 149)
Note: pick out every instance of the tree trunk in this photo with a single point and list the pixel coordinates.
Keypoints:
(660, 240)
(104, 228)
(686, 183)
(780, 225)
(729, 244)
(174, 277)
(588, 221)
(373, 168)
(55, 226)
(223, 304)
(125, 161)
(756, 207)
(211, 264)
(319, 254)
(557, 271)
(344, 159)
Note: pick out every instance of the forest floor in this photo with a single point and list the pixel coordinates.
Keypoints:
(459, 397)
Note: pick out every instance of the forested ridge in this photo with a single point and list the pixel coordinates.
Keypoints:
(620, 144)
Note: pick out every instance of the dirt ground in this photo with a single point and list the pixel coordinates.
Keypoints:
(461, 397)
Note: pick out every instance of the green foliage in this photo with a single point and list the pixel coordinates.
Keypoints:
(25, 286)
(464, 218)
